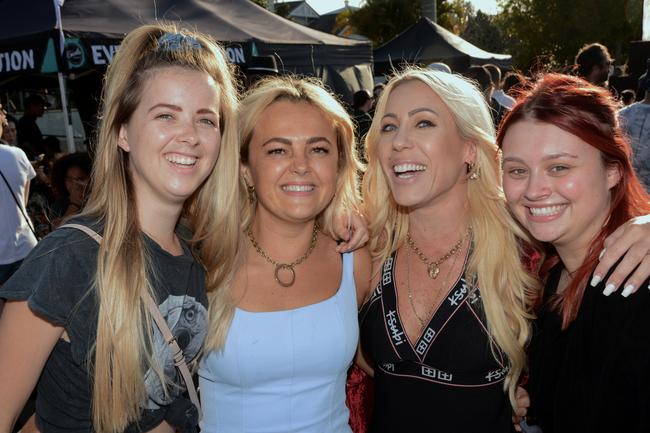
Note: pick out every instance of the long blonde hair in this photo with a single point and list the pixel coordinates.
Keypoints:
(123, 349)
(346, 198)
(506, 287)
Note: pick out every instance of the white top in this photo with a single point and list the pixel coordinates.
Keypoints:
(284, 371)
(503, 99)
(16, 239)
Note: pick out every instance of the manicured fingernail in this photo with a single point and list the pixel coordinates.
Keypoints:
(602, 253)
(627, 291)
(609, 289)
(595, 280)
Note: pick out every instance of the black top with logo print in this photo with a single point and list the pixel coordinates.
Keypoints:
(447, 381)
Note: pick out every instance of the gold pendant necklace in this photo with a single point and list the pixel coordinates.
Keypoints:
(433, 267)
(284, 266)
(443, 290)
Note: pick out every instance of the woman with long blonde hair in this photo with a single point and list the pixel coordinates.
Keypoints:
(447, 323)
(286, 331)
(76, 314)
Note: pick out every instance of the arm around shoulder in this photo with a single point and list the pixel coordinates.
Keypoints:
(362, 274)
(26, 340)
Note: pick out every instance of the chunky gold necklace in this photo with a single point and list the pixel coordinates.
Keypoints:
(284, 266)
(433, 267)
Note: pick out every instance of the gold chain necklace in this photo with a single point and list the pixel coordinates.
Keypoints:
(284, 266)
(433, 267)
(443, 289)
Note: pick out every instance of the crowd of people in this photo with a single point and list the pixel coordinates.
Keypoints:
(224, 235)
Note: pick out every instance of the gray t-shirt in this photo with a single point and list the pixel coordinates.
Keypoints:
(56, 280)
(635, 121)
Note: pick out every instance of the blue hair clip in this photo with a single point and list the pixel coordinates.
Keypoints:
(177, 41)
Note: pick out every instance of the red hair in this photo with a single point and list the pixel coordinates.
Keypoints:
(588, 112)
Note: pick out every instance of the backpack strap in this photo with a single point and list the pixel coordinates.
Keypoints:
(179, 357)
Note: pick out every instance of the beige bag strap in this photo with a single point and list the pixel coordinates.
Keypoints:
(179, 357)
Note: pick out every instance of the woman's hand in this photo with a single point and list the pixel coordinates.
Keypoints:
(632, 242)
(352, 229)
(522, 401)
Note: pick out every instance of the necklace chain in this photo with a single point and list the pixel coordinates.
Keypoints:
(284, 266)
(443, 288)
(433, 267)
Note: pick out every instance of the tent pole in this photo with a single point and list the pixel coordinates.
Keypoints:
(67, 119)
(69, 134)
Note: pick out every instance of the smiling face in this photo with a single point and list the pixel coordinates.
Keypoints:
(292, 161)
(556, 184)
(420, 149)
(173, 135)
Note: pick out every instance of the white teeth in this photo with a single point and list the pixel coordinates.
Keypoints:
(181, 160)
(545, 211)
(403, 168)
(298, 188)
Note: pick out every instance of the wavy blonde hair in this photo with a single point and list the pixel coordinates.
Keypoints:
(123, 349)
(506, 286)
(346, 197)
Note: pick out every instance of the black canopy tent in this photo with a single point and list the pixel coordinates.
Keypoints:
(426, 42)
(93, 29)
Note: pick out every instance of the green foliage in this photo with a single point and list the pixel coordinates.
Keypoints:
(483, 31)
(554, 30)
(382, 20)
(262, 3)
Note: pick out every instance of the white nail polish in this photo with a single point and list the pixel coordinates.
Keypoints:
(602, 253)
(595, 280)
(609, 289)
(627, 291)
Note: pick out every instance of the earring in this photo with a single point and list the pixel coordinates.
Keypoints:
(251, 193)
(472, 170)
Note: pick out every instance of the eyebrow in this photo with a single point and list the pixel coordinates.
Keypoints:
(179, 109)
(545, 158)
(414, 111)
(283, 140)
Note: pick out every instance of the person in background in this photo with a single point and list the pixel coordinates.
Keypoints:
(362, 104)
(10, 133)
(70, 176)
(498, 94)
(628, 96)
(30, 137)
(569, 182)
(635, 122)
(593, 63)
(481, 75)
(376, 91)
(512, 83)
(16, 236)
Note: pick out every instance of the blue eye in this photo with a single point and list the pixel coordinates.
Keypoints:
(424, 124)
(209, 122)
(164, 116)
(388, 128)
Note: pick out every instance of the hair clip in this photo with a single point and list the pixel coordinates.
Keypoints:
(177, 41)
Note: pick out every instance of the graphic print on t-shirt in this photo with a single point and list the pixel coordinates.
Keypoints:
(186, 318)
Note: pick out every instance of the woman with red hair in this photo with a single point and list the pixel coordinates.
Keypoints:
(568, 180)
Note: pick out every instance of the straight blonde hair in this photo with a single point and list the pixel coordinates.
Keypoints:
(346, 197)
(506, 286)
(123, 348)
